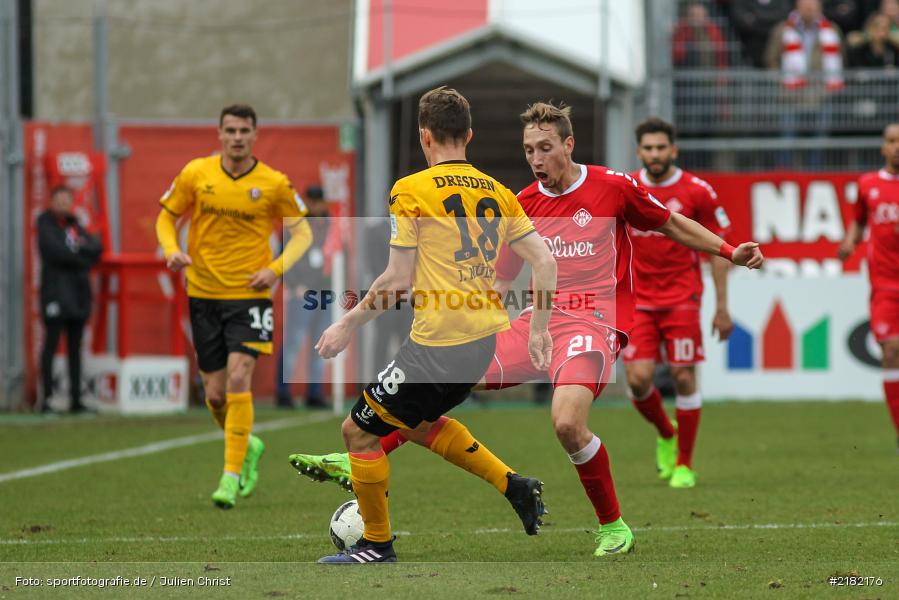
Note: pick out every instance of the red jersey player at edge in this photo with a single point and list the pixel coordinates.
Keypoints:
(568, 202)
(668, 295)
(877, 209)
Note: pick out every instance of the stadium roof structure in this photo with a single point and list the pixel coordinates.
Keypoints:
(471, 50)
(415, 45)
(502, 54)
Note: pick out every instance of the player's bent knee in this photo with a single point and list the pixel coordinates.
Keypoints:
(639, 387)
(568, 430)
(421, 434)
(214, 387)
(348, 426)
(639, 381)
(684, 380)
(239, 381)
(214, 393)
(240, 372)
(351, 433)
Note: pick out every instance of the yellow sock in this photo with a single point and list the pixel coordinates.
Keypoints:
(455, 443)
(218, 413)
(370, 475)
(238, 423)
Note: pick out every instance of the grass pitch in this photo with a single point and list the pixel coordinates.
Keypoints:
(788, 496)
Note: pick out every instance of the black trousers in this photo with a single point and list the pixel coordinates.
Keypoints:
(74, 329)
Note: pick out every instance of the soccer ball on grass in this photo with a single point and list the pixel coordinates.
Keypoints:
(346, 525)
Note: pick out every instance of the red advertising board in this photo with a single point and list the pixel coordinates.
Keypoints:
(799, 218)
(307, 154)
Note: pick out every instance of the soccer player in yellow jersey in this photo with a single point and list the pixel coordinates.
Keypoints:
(447, 224)
(233, 202)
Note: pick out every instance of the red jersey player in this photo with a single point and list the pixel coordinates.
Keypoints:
(877, 209)
(582, 214)
(668, 294)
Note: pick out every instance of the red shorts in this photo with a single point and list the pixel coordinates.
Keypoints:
(677, 328)
(583, 353)
(885, 315)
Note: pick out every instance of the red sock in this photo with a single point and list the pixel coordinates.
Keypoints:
(592, 464)
(891, 391)
(650, 406)
(392, 441)
(687, 427)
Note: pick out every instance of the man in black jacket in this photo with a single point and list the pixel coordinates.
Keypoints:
(67, 254)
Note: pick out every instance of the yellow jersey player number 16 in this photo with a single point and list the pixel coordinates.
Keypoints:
(233, 202)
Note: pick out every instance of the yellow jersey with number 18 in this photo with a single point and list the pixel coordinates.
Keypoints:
(231, 220)
(457, 218)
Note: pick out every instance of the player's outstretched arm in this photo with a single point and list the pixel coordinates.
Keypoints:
(722, 324)
(543, 266)
(693, 235)
(853, 237)
(167, 235)
(388, 288)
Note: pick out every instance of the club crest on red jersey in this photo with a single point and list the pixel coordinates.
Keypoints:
(582, 217)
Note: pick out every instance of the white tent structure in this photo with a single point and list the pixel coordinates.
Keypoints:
(503, 55)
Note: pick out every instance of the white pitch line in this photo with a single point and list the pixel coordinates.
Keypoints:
(722, 527)
(154, 448)
(301, 536)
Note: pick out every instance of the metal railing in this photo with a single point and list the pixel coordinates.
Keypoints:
(767, 154)
(746, 119)
(751, 102)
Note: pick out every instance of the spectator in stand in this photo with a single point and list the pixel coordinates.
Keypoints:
(876, 49)
(807, 49)
(848, 15)
(308, 274)
(807, 43)
(890, 8)
(698, 42)
(754, 20)
(67, 252)
(887, 8)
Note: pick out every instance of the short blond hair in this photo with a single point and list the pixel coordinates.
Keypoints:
(548, 113)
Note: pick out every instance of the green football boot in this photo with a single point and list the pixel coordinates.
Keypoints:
(614, 538)
(683, 477)
(327, 467)
(666, 456)
(226, 494)
(249, 473)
